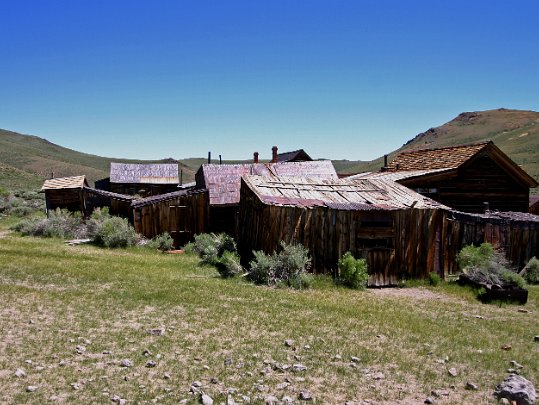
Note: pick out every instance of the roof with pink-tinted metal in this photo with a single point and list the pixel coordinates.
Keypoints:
(343, 194)
(162, 173)
(223, 181)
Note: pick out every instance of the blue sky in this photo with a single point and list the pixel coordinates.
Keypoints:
(341, 79)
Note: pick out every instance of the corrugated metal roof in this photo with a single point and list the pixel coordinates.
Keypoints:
(440, 158)
(65, 182)
(344, 194)
(224, 181)
(163, 173)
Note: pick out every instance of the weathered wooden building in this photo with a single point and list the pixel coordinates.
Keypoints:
(469, 178)
(65, 192)
(395, 229)
(143, 179)
(182, 214)
(294, 156)
(223, 184)
(73, 194)
(534, 204)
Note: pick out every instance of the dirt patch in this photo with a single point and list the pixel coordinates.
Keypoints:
(417, 293)
(3, 234)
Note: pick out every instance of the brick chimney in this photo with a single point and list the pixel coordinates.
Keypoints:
(255, 157)
(274, 154)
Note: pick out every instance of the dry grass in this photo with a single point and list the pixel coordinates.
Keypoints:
(56, 298)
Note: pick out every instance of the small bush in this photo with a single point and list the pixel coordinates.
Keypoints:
(210, 247)
(286, 268)
(353, 272)
(21, 204)
(475, 256)
(531, 271)
(510, 278)
(434, 279)
(228, 265)
(163, 242)
(116, 232)
(59, 224)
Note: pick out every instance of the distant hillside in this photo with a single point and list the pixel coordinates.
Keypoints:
(25, 161)
(515, 132)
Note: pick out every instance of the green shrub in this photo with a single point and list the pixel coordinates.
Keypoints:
(59, 224)
(228, 265)
(434, 279)
(287, 267)
(531, 271)
(353, 272)
(116, 232)
(210, 247)
(510, 278)
(475, 256)
(163, 242)
(21, 204)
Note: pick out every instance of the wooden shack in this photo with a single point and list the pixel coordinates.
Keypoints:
(118, 204)
(143, 179)
(534, 204)
(395, 229)
(182, 214)
(65, 192)
(469, 178)
(223, 184)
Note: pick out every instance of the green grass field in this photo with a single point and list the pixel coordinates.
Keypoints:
(229, 334)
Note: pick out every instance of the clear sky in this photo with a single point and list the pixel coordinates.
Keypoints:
(341, 79)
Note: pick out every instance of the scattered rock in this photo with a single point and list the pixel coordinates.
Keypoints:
(20, 373)
(271, 400)
(506, 346)
(452, 372)
(282, 386)
(305, 396)
(230, 400)
(206, 367)
(117, 399)
(196, 384)
(107, 352)
(516, 388)
(287, 400)
(206, 400)
(289, 343)
(166, 376)
(75, 386)
(355, 359)
(536, 338)
(524, 311)
(440, 393)
(214, 380)
(31, 388)
(151, 364)
(80, 349)
(126, 363)
(28, 361)
(337, 357)
(299, 367)
(146, 353)
(479, 317)
(429, 400)
(379, 376)
(307, 347)
(472, 386)
(156, 332)
(62, 363)
(516, 365)
(228, 362)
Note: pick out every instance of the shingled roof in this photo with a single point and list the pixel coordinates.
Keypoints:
(223, 181)
(343, 194)
(163, 173)
(60, 183)
(433, 159)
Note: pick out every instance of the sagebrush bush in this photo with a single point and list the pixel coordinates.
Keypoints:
(287, 267)
(353, 272)
(210, 247)
(531, 271)
(116, 232)
(485, 265)
(163, 242)
(59, 224)
(228, 265)
(21, 204)
(475, 256)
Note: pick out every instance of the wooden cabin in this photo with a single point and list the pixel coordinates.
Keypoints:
(395, 229)
(534, 204)
(223, 184)
(182, 214)
(469, 178)
(143, 180)
(65, 192)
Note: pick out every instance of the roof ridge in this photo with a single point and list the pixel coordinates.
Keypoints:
(466, 145)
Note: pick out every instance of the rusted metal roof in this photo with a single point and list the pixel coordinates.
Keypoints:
(164, 197)
(343, 194)
(223, 181)
(163, 173)
(440, 158)
(65, 182)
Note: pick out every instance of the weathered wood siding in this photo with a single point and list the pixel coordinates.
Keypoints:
(182, 217)
(71, 199)
(397, 244)
(142, 189)
(483, 180)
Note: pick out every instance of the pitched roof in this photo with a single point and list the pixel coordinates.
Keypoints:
(343, 194)
(440, 158)
(163, 173)
(224, 181)
(394, 176)
(65, 182)
(294, 156)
